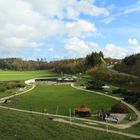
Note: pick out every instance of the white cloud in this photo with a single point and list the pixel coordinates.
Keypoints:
(133, 42)
(88, 8)
(68, 8)
(23, 22)
(80, 28)
(135, 46)
(133, 8)
(108, 20)
(80, 48)
(76, 47)
(111, 50)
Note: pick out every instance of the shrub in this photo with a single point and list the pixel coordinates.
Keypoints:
(2, 89)
(95, 84)
(119, 108)
(120, 91)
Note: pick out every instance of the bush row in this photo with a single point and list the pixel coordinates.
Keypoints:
(7, 85)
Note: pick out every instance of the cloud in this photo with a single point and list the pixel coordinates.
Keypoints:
(111, 50)
(80, 28)
(68, 8)
(79, 48)
(135, 46)
(133, 8)
(88, 8)
(117, 12)
(108, 20)
(133, 42)
(76, 47)
(24, 22)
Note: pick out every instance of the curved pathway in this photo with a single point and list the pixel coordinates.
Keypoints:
(17, 94)
(120, 126)
(73, 123)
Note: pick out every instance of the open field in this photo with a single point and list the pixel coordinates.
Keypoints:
(22, 126)
(24, 75)
(60, 97)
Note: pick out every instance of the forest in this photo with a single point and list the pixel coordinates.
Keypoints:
(130, 64)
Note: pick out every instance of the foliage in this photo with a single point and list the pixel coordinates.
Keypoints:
(69, 66)
(131, 97)
(130, 64)
(7, 85)
(119, 108)
(94, 84)
(115, 78)
(19, 64)
(94, 58)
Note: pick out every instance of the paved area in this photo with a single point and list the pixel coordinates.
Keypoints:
(120, 116)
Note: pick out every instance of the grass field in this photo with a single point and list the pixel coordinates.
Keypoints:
(64, 96)
(22, 126)
(23, 75)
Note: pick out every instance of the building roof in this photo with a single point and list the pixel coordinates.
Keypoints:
(83, 109)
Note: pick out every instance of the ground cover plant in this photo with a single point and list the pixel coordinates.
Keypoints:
(8, 88)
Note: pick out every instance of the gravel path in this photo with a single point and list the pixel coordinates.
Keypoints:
(120, 126)
(73, 123)
(2, 100)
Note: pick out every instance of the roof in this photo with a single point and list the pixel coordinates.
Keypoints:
(106, 87)
(83, 109)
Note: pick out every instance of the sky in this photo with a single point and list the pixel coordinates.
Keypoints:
(61, 29)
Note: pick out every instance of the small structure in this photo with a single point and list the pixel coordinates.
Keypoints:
(103, 114)
(83, 111)
(106, 87)
(55, 80)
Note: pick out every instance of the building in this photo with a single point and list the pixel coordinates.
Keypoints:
(83, 111)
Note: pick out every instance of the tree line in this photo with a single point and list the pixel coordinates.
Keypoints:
(18, 64)
(130, 64)
(68, 66)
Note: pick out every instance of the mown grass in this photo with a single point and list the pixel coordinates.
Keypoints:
(135, 129)
(63, 97)
(24, 75)
(22, 126)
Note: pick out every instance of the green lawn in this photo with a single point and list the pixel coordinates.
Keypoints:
(22, 126)
(24, 75)
(64, 96)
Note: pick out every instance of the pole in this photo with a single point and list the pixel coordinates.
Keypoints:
(74, 113)
(70, 115)
(106, 124)
(57, 110)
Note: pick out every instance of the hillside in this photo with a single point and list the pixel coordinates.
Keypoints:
(130, 65)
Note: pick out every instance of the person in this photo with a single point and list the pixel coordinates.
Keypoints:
(130, 118)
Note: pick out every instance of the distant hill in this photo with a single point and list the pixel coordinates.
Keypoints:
(130, 65)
